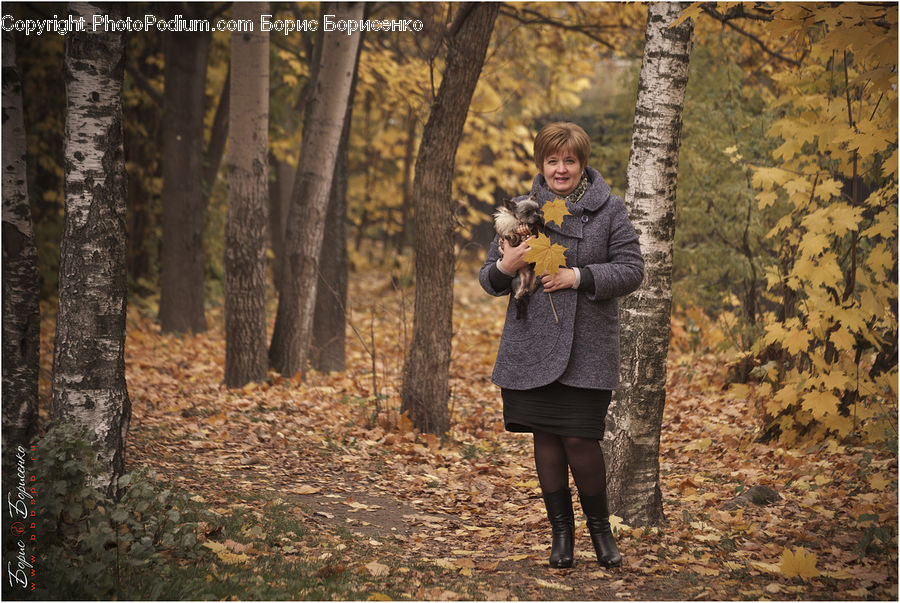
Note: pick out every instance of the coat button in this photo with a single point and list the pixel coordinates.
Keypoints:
(585, 219)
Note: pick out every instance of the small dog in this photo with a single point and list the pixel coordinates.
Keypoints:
(513, 222)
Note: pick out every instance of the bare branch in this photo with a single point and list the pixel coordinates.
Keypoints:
(141, 80)
(527, 16)
(710, 10)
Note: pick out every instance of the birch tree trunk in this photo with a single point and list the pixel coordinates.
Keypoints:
(246, 222)
(181, 305)
(21, 285)
(426, 378)
(636, 414)
(89, 357)
(325, 114)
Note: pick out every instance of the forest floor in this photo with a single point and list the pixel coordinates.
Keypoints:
(321, 490)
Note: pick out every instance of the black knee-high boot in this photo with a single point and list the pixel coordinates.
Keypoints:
(562, 524)
(596, 510)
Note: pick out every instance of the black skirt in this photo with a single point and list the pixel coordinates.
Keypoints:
(557, 408)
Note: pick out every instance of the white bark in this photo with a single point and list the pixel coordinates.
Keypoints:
(248, 188)
(636, 414)
(89, 356)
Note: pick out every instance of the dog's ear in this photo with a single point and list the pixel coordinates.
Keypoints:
(510, 204)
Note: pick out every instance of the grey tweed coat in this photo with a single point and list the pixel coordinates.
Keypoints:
(582, 349)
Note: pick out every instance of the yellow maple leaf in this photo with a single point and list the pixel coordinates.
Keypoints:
(555, 211)
(547, 256)
(843, 339)
(796, 341)
(878, 482)
(798, 563)
(838, 424)
(766, 198)
(820, 403)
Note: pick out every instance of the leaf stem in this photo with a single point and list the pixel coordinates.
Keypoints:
(555, 315)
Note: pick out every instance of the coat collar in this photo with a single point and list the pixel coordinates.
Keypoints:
(593, 199)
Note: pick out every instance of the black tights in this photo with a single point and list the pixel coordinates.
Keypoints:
(554, 454)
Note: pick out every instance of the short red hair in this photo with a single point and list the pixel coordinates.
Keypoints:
(560, 135)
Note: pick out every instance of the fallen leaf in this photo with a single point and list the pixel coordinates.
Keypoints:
(553, 585)
(699, 445)
(497, 595)
(235, 546)
(304, 489)
(224, 554)
(878, 482)
(798, 563)
(766, 567)
(377, 569)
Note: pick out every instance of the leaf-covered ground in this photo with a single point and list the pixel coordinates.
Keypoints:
(396, 514)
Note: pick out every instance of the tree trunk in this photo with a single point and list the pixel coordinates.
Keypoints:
(217, 137)
(246, 222)
(143, 139)
(328, 345)
(637, 410)
(322, 129)
(426, 389)
(184, 208)
(21, 283)
(280, 187)
(89, 357)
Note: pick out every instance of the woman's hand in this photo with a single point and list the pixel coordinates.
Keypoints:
(514, 257)
(563, 279)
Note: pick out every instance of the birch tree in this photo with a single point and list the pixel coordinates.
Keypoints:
(246, 222)
(89, 357)
(325, 114)
(426, 375)
(652, 175)
(21, 285)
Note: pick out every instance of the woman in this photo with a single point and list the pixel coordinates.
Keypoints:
(557, 370)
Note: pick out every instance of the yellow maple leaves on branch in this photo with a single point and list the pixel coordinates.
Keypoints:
(829, 295)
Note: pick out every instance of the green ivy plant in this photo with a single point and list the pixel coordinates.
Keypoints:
(91, 546)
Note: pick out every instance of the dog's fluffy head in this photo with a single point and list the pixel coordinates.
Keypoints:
(508, 218)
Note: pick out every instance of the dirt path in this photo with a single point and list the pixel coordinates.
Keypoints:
(467, 511)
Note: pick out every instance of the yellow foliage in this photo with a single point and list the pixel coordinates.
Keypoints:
(820, 403)
(547, 256)
(837, 249)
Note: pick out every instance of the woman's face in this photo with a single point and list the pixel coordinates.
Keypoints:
(562, 171)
